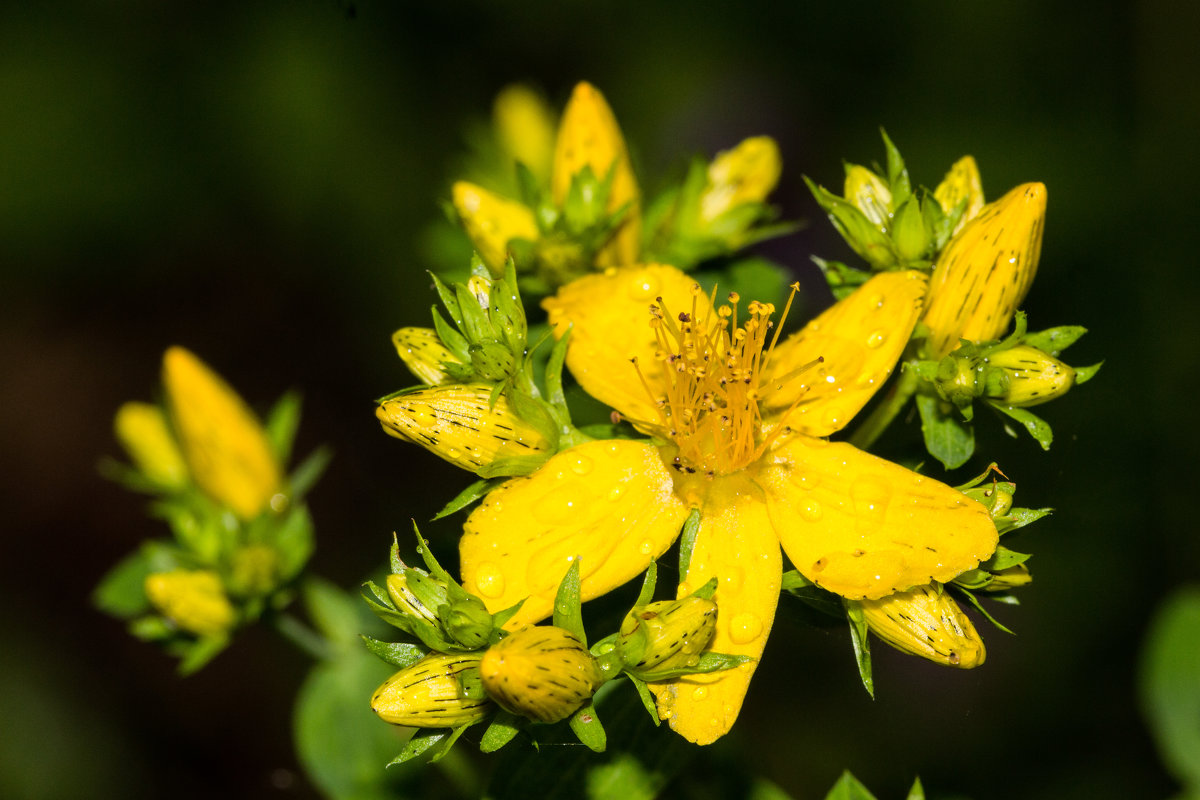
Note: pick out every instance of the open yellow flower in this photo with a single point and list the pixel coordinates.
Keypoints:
(738, 420)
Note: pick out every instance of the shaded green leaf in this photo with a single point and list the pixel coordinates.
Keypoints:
(948, 438)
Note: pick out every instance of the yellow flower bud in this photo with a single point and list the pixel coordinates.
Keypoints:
(429, 694)
(254, 570)
(407, 602)
(745, 174)
(1010, 578)
(1033, 376)
(491, 222)
(193, 599)
(870, 195)
(985, 271)
(224, 445)
(142, 430)
(424, 354)
(457, 423)
(525, 127)
(667, 635)
(543, 672)
(926, 622)
(589, 136)
(962, 182)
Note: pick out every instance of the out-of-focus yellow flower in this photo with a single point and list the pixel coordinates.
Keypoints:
(254, 570)
(491, 222)
(223, 443)
(745, 174)
(961, 183)
(926, 622)
(741, 419)
(541, 672)
(193, 599)
(143, 432)
(589, 136)
(457, 423)
(985, 271)
(525, 127)
(423, 353)
(429, 694)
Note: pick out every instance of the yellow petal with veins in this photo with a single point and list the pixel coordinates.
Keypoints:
(610, 315)
(985, 271)
(962, 182)
(860, 338)
(609, 503)
(225, 446)
(863, 527)
(423, 353)
(491, 222)
(737, 544)
(589, 136)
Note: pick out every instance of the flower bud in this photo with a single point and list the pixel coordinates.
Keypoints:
(525, 127)
(961, 183)
(926, 622)
(430, 694)
(667, 635)
(491, 222)
(984, 272)
(542, 672)
(468, 622)
(423, 353)
(1010, 578)
(745, 174)
(254, 570)
(142, 430)
(406, 601)
(193, 599)
(870, 194)
(1033, 376)
(224, 445)
(493, 361)
(457, 423)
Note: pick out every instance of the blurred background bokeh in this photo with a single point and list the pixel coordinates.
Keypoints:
(258, 182)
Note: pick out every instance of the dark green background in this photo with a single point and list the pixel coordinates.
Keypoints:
(256, 181)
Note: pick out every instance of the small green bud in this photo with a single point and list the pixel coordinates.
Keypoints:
(467, 621)
(430, 694)
(406, 600)
(541, 672)
(1011, 578)
(908, 231)
(1033, 376)
(667, 635)
(492, 361)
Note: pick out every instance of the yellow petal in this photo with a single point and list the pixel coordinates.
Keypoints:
(491, 222)
(737, 544)
(860, 339)
(610, 315)
(589, 136)
(143, 432)
(423, 353)
(926, 622)
(962, 182)
(225, 446)
(985, 271)
(609, 503)
(745, 174)
(525, 127)
(457, 423)
(863, 527)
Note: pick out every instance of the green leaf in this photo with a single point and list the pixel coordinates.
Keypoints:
(898, 180)
(467, 496)
(917, 792)
(587, 727)
(862, 645)
(687, 540)
(1085, 374)
(848, 787)
(973, 600)
(948, 438)
(122, 591)
(200, 652)
(568, 613)
(1170, 684)
(309, 471)
(1037, 427)
(281, 425)
(1004, 558)
(400, 655)
(502, 730)
(294, 540)
(646, 696)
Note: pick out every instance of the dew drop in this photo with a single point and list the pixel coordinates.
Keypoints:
(422, 417)
(646, 547)
(582, 465)
(488, 581)
(810, 510)
(876, 339)
(699, 693)
(732, 578)
(615, 492)
(870, 497)
(643, 287)
(745, 627)
(876, 301)
(559, 505)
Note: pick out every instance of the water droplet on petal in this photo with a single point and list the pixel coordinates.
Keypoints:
(745, 627)
(876, 339)
(646, 547)
(488, 580)
(870, 496)
(699, 693)
(559, 505)
(643, 287)
(810, 510)
(582, 465)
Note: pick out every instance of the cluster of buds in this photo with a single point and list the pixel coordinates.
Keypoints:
(464, 666)
(241, 532)
(584, 211)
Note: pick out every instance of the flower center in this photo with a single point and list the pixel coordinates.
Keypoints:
(712, 372)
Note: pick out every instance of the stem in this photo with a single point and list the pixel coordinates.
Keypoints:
(873, 426)
(304, 637)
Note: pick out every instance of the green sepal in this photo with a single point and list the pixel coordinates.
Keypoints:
(281, 423)
(898, 180)
(812, 595)
(434, 742)
(842, 278)
(707, 662)
(909, 233)
(475, 491)
(973, 579)
(1054, 340)
(1020, 517)
(861, 644)
(395, 563)
(586, 725)
(122, 591)
(554, 368)
(515, 466)
(687, 541)
(1085, 374)
(859, 232)
(456, 343)
(1004, 558)
(450, 300)
(568, 612)
(1037, 427)
(646, 696)
(939, 225)
(973, 600)
(198, 653)
(400, 655)
(917, 792)
(503, 728)
(648, 585)
(849, 787)
(308, 472)
(475, 323)
(501, 617)
(948, 438)
(706, 591)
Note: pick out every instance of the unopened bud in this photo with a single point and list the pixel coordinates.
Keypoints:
(491, 222)
(962, 183)
(745, 174)
(406, 601)
(926, 622)
(1010, 578)
(542, 672)
(493, 361)
(667, 635)
(870, 194)
(142, 430)
(194, 600)
(457, 423)
(1033, 376)
(525, 127)
(468, 622)
(423, 353)
(431, 694)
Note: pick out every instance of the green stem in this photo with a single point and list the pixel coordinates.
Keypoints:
(304, 637)
(873, 426)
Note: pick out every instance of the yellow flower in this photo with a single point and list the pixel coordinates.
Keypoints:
(589, 136)
(738, 420)
(143, 431)
(193, 599)
(225, 446)
(984, 272)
